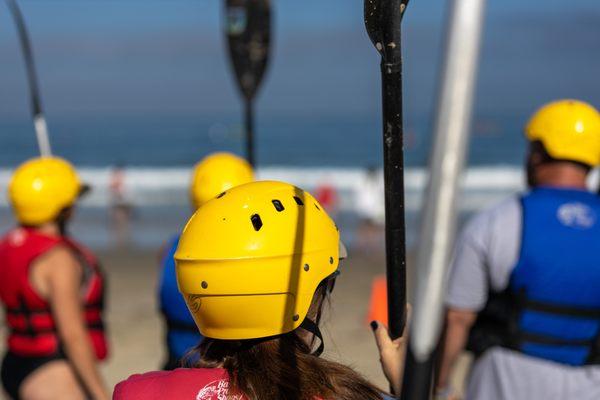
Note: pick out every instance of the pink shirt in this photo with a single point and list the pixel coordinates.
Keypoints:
(180, 384)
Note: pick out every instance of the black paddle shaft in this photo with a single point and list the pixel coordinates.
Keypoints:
(383, 21)
(36, 106)
(248, 30)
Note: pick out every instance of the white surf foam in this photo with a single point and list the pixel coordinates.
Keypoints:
(146, 186)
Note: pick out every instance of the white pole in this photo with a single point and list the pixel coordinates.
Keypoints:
(41, 133)
(451, 133)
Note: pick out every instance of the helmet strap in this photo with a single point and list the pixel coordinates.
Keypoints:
(61, 221)
(310, 326)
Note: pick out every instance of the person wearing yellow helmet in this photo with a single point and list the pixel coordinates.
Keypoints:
(214, 174)
(52, 290)
(523, 291)
(256, 266)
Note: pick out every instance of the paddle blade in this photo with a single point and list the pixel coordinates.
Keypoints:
(248, 31)
(373, 22)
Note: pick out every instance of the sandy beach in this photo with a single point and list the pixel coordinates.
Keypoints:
(136, 332)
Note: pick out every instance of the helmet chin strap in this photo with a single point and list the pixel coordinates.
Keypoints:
(310, 326)
(62, 220)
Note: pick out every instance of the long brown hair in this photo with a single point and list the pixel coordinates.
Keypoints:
(282, 367)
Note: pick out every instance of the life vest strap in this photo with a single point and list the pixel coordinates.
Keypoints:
(497, 325)
(312, 327)
(27, 331)
(28, 310)
(528, 337)
(559, 309)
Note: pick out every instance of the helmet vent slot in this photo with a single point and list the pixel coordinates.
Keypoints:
(298, 201)
(256, 222)
(221, 195)
(278, 206)
(318, 208)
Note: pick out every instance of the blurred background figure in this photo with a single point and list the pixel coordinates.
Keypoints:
(326, 194)
(371, 212)
(52, 291)
(121, 210)
(212, 176)
(523, 292)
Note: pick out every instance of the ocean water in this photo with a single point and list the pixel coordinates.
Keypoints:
(157, 154)
(298, 140)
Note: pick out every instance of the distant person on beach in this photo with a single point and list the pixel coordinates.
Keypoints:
(370, 207)
(120, 208)
(524, 289)
(52, 290)
(327, 196)
(256, 266)
(213, 175)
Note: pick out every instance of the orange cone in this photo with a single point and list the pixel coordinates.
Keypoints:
(378, 302)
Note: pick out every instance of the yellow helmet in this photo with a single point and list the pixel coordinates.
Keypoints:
(569, 130)
(215, 174)
(250, 260)
(41, 188)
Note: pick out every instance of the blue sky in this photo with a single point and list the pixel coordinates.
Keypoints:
(128, 57)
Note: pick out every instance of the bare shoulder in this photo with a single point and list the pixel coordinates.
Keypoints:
(59, 259)
(57, 265)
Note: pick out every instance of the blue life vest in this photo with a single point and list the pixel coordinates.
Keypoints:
(551, 308)
(182, 333)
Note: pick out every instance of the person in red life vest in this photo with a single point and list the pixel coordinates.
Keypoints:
(51, 289)
(256, 266)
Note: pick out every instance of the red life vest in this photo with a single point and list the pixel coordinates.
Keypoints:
(32, 329)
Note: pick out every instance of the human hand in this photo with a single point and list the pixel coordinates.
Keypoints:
(391, 352)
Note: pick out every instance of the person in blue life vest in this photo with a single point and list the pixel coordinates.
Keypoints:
(213, 175)
(524, 286)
